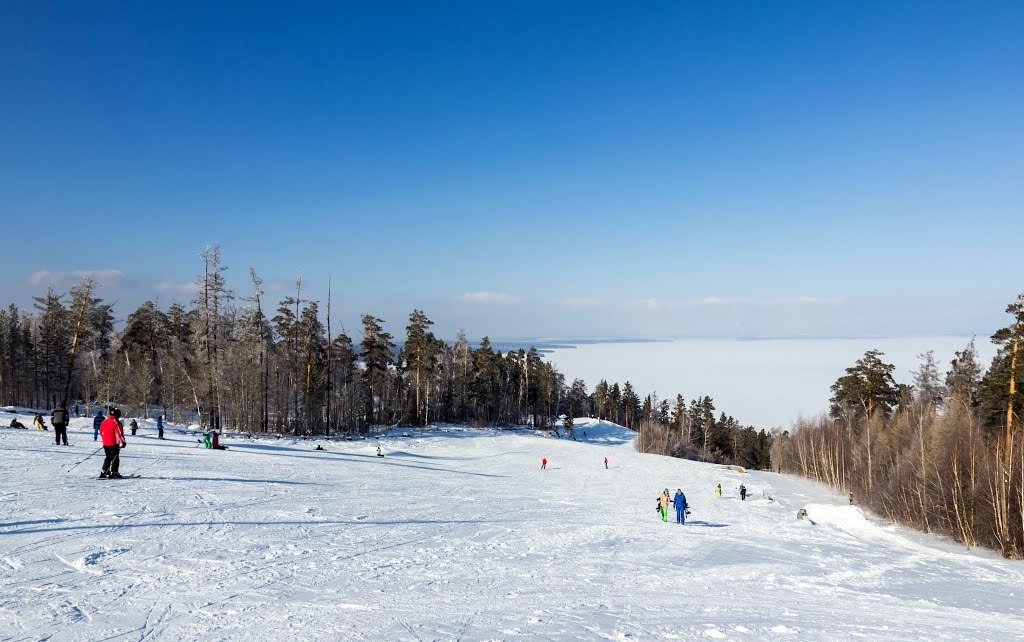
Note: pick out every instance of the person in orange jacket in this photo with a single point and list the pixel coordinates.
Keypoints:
(664, 499)
(544, 463)
(112, 434)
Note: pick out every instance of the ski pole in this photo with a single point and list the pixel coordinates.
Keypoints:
(83, 460)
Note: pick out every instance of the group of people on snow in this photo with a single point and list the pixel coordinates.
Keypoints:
(678, 502)
(681, 506)
(109, 429)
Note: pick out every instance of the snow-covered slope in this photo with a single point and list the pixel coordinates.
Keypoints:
(458, 534)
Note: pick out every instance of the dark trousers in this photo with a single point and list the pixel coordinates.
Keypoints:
(59, 433)
(112, 459)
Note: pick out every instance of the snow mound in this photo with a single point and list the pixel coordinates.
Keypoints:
(598, 430)
(847, 518)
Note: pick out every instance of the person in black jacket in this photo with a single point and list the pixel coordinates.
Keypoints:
(60, 419)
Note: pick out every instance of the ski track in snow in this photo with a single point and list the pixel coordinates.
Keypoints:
(458, 535)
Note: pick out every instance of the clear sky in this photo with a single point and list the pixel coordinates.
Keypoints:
(549, 169)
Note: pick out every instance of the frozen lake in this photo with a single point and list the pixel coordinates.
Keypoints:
(766, 382)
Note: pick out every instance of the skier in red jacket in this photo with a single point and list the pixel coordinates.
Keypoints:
(112, 434)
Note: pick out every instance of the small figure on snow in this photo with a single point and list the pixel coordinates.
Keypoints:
(679, 501)
(379, 453)
(17, 424)
(59, 419)
(664, 499)
(851, 498)
(207, 443)
(38, 422)
(606, 463)
(96, 422)
(544, 463)
(135, 427)
(112, 433)
(743, 493)
(160, 426)
(718, 491)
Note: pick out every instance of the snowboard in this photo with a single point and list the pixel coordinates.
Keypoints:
(121, 477)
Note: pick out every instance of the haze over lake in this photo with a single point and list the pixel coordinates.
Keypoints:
(764, 382)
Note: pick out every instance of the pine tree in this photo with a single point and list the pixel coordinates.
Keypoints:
(418, 352)
(866, 387)
(377, 359)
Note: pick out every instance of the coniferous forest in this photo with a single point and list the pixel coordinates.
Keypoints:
(237, 361)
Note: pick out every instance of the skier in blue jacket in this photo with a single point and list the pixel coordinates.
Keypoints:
(96, 424)
(679, 501)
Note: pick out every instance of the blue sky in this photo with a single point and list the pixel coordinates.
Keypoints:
(575, 169)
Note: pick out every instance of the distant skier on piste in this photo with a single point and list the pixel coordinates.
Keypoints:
(606, 463)
(379, 453)
(112, 433)
(544, 463)
(743, 493)
(679, 501)
(97, 420)
(160, 426)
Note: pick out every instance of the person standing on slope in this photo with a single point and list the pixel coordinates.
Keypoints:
(97, 420)
(59, 418)
(718, 491)
(743, 493)
(606, 463)
(679, 501)
(544, 463)
(664, 499)
(160, 427)
(112, 433)
(135, 427)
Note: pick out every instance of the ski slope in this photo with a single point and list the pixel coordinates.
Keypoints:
(458, 534)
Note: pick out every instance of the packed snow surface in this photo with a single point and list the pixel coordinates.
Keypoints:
(458, 534)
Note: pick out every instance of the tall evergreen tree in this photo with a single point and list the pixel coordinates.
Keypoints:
(418, 353)
(377, 358)
(866, 387)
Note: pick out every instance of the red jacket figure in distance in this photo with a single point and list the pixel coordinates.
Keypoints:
(544, 463)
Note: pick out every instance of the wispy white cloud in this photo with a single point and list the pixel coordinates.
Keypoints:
(718, 300)
(809, 299)
(167, 287)
(576, 302)
(279, 285)
(107, 278)
(490, 298)
(655, 304)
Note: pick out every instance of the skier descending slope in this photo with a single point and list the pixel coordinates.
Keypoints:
(112, 434)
